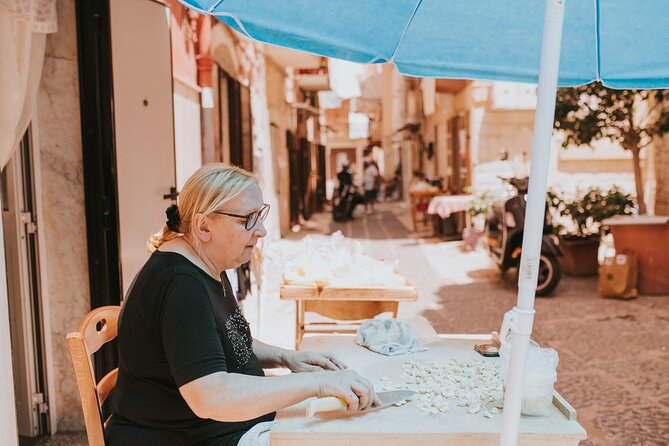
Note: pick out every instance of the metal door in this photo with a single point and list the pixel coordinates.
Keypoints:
(23, 292)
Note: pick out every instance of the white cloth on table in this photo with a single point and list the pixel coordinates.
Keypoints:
(258, 435)
(445, 205)
(389, 337)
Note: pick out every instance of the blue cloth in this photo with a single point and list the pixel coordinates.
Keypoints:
(388, 337)
(616, 41)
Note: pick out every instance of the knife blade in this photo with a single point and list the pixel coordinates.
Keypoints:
(393, 396)
(333, 403)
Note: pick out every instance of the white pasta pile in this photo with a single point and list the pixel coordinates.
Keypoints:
(474, 384)
(338, 262)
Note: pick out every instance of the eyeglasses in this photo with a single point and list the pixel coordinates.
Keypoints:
(252, 218)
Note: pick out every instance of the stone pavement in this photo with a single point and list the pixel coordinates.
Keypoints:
(614, 363)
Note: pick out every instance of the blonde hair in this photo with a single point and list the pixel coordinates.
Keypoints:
(206, 190)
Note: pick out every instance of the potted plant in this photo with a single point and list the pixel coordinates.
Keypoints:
(477, 209)
(578, 224)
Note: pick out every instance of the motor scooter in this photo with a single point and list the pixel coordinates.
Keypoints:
(504, 234)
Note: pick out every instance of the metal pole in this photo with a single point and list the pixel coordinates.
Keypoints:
(534, 219)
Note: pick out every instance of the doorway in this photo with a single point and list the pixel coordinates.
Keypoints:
(24, 292)
(339, 158)
(143, 126)
(127, 125)
(458, 141)
(295, 178)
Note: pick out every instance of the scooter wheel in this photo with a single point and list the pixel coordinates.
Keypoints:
(549, 275)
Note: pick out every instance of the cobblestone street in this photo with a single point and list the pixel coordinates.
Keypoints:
(613, 354)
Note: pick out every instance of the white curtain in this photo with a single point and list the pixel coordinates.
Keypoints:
(23, 28)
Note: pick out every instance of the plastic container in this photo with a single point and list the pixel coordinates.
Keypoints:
(538, 396)
(540, 375)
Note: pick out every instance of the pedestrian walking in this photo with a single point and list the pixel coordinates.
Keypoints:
(344, 178)
(371, 184)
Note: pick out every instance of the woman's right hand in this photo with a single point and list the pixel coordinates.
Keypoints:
(356, 391)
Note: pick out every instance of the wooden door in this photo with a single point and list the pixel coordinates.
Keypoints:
(295, 177)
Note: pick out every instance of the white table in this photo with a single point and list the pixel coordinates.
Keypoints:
(406, 425)
(445, 205)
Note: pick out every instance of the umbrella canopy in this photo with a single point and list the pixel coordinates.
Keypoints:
(556, 42)
(615, 41)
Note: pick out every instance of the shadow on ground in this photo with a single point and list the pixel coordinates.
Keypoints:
(614, 362)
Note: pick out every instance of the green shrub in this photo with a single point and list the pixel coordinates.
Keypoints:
(582, 218)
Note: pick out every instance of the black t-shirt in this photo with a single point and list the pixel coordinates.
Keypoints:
(177, 324)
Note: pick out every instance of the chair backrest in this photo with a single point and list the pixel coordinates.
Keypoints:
(98, 327)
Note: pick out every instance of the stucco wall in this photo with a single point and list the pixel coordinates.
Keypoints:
(595, 166)
(509, 130)
(280, 118)
(63, 200)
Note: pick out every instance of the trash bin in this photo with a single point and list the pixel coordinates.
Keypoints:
(648, 237)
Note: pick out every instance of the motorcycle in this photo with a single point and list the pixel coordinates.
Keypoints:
(504, 234)
(344, 204)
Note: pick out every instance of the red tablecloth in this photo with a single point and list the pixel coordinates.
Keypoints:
(445, 205)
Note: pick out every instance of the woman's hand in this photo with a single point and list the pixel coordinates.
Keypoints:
(356, 391)
(312, 362)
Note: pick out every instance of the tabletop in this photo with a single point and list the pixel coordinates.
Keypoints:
(406, 425)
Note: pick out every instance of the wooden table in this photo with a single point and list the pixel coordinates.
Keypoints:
(342, 304)
(406, 425)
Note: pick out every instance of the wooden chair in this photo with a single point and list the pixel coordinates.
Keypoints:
(98, 327)
(347, 315)
(419, 201)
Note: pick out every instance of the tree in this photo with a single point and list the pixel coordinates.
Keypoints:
(629, 117)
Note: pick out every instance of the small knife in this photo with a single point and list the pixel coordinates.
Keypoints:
(334, 403)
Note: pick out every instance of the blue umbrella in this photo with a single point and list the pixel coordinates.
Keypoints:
(615, 41)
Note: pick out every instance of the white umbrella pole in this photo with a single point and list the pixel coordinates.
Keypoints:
(521, 326)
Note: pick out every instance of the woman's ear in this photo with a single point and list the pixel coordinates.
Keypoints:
(201, 227)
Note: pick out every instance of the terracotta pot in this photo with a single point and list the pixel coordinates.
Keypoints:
(579, 257)
(648, 237)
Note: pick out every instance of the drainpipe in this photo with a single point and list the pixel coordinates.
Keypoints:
(201, 25)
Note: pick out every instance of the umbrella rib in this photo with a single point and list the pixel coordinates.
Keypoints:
(240, 25)
(214, 6)
(597, 40)
(406, 28)
(194, 8)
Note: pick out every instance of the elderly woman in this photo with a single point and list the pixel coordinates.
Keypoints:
(189, 371)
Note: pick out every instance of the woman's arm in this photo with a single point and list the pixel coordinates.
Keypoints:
(232, 397)
(271, 356)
